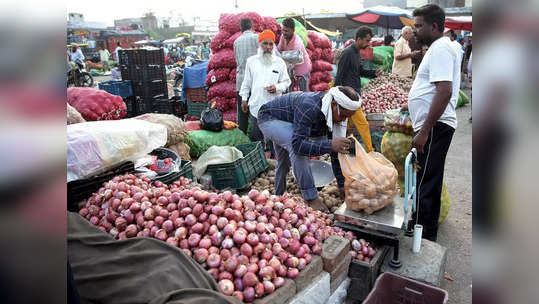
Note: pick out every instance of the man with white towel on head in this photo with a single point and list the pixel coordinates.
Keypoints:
(299, 123)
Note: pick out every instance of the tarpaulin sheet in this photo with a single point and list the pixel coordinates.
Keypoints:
(195, 76)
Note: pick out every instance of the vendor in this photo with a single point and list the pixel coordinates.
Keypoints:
(299, 124)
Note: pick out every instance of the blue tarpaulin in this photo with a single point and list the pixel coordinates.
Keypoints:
(194, 76)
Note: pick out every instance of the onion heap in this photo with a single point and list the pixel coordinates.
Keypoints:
(248, 244)
(385, 97)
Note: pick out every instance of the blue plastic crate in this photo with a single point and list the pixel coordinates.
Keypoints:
(121, 88)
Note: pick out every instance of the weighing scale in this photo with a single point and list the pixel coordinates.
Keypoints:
(389, 224)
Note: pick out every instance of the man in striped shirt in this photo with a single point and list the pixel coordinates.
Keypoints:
(244, 47)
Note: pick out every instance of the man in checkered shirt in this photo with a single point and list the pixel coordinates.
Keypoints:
(299, 123)
(244, 47)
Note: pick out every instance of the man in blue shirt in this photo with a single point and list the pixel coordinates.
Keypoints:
(299, 123)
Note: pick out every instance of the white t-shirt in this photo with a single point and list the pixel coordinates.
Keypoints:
(439, 64)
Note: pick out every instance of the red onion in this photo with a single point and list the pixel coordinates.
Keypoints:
(171, 207)
(180, 233)
(214, 260)
(240, 271)
(265, 238)
(249, 279)
(267, 255)
(226, 287)
(246, 249)
(93, 210)
(308, 258)
(126, 203)
(262, 219)
(225, 254)
(83, 212)
(278, 282)
(217, 238)
(287, 234)
(249, 294)
(194, 239)
(95, 220)
(253, 267)
(237, 205)
(153, 230)
(172, 241)
(253, 194)
(294, 246)
(229, 214)
(292, 262)
(164, 213)
(268, 287)
(222, 222)
(260, 227)
(203, 217)
(217, 210)
(121, 236)
(239, 236)
(259, 248)
(190, 220)
(317, 249)
(120, 223)
(365, 251)
(267, 273)
(238, 284)
(145, 205)
(231, 264)
(212, 218)
(276, 248)
(372, 252)
(114, 232)
(205, 243)
(292, 273)
(161, 234)
(259, 290)
(197, 228)
(302, 264)
(262, 263)
(131, 231)
(301, 252)
(185, 212)
(159, 220)
(250, 226)
(201, 255)
(213, 249)
(250, 216)
(249, 205)
(197, 210)
(366, 259)
(283, 270)
(227, 243)
(253, 259)
(149, 214)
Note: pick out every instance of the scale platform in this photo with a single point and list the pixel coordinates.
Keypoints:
(389, 220)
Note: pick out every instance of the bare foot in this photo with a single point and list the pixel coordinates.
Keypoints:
(318, 204)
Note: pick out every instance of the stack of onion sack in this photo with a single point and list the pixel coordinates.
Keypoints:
(221, 78)
(94, 104)
(319, 50)
(249, 244)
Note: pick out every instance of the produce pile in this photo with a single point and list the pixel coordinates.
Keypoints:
(266, 181)
(221, 77)
(319, 50)
(94, 104)
(384, 97)
(248, 244)
(73, 116)
(404, 83)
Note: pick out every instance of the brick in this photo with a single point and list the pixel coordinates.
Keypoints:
(334, 250)
(315, 293)
(307, 275)
(281, 294)
(340, 273)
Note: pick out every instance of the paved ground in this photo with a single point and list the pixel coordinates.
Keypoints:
(455, 233)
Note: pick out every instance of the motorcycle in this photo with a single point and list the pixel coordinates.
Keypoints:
(77, 75)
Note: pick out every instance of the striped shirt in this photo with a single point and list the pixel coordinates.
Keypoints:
(303, 110)
(244, 47)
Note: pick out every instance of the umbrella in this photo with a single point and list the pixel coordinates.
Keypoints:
(384, 16)
(459, 23)
(174, 40)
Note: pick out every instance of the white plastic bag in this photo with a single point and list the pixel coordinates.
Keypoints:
(93, 147)
(213, 156)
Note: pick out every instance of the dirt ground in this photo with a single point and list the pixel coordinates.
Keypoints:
(455, 232)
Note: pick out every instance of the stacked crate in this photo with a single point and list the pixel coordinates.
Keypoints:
(146, 71)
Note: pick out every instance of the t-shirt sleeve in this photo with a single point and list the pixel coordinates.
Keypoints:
(441, 65)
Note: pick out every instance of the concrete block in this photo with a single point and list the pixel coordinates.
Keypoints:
(306, 276)
(281, 294)
(340, 293)
(340, 273)
(334, 250)
(427, 266)
(316, 293)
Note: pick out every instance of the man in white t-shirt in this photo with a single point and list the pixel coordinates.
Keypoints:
(432, 101)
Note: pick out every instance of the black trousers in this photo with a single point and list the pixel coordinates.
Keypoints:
(243, 118)
(429, 179)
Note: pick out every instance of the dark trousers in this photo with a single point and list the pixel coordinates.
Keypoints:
(429, 179)
(257, 135)
(243, 118)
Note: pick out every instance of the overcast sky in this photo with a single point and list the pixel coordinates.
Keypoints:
(107, 11)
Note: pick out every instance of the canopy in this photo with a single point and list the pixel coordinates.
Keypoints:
(174, 40)
(154, 42)
(384, 16)
(459, 23)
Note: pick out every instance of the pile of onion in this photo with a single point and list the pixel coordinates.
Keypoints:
(248, 244)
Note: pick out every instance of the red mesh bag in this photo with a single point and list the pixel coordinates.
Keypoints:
(310, 45)
(218, 42)
(321, 65)
(319, 77)
(217, 75)
(327, 55)
(231, 115)
(271, 24)
(258, 22)
(348, 43)
(193, 125)
(229, 23)
(225, 89)
(310, 53)
(94, 104)
(222, 59)
(232, 75)
(320, 87)
(230, 41)
(221, 103)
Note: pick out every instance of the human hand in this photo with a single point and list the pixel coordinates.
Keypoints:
(340, 145)
(244, 106)
(416, 52)
(419, 141)
(378, 73)
(271, 89)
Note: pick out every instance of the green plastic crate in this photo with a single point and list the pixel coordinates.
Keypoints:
(238, 174)
(194, 109)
